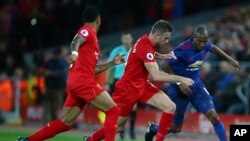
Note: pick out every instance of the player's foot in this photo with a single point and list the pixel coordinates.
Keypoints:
(122, 134)
(152, 130)
(85, 138)
(22, 139)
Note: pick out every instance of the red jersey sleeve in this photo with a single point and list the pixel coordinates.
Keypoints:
(147, 54)
(84, 33)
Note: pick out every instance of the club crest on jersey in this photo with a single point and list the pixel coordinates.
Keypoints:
(85, 33)
(196, 64)
(150, 56)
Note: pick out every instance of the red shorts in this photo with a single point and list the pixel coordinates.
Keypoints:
(126, 99)
(81, 92)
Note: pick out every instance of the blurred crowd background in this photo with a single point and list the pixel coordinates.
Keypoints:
(35, 37)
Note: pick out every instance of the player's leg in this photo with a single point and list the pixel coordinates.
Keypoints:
(181, 101)
(153, 96)
(203, 103)
(69, 114)
(71, 110)
(105, 103)
(217, 124)
(126, 102)
(163, 103)
(132, 119)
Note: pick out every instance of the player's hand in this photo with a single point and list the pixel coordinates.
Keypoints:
(185, 89)
(236, 64)
(165, 56)
(187, 81)
(71, 58)
(119, 59)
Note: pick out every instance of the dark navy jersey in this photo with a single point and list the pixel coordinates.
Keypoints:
(189, 60)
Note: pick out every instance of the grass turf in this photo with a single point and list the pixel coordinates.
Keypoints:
(10, 134)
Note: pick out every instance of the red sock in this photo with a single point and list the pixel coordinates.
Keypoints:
(110, 124)
(164, 125)
(50, 130)
(98, 135)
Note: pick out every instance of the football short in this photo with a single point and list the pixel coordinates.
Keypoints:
(82, 93)
(126, 98)
(200, 99)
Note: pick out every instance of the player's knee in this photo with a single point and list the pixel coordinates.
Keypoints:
(170, 108)
(212, 116)
(68, 120)
(173, 107)
(115, 110)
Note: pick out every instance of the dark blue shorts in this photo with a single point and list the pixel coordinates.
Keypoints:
(200, 99)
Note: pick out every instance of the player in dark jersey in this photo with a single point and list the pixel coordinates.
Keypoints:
(189, 57)
(81, 86)
(134, 86)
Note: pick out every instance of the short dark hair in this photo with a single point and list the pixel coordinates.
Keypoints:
(200, 31)
(162, 26)
(90, 14)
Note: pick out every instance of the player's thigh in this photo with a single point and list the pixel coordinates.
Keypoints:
(181, 103)
(202, 100)
(122, 120)
(103, 101)
(162, 102)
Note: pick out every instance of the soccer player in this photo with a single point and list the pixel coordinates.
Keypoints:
(190, 55)
(134, 86)
(81, 85)
(116, 73)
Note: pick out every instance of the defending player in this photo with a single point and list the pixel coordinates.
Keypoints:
(134, 86)
(81, 85)
(190, 55)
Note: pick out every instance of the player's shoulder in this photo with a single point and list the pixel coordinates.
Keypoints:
(144, 42)
(185, 45)
(85, 30)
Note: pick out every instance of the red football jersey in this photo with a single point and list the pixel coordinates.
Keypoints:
(136, 74)
(87, 54)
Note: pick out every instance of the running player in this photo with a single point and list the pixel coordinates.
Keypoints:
(81, 85)
(190, 55)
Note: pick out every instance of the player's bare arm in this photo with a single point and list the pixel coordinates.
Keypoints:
(183, 87)
(75, 44)
(119, 59)
(221, 53)
(165, 56)
(166, 67)
(157, 75)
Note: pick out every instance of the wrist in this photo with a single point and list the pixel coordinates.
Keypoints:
(74, 53)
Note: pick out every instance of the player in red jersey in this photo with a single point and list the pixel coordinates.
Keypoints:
(134, 86)
(81, 85)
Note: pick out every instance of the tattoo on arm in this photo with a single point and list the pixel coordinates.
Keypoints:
(76, 42)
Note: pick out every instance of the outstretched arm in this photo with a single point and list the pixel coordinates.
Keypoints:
(119, 59)
(165, 66)
(158, 75)
(75, 44)
(222, 54)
